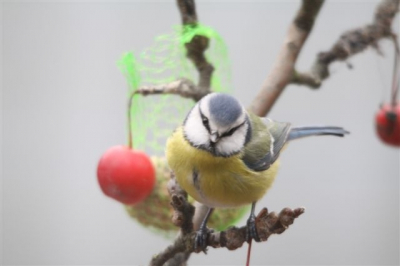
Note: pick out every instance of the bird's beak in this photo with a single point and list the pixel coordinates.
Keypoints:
(214, 136)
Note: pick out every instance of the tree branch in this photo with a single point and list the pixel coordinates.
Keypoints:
(350, 43)
(195, 52)
(182, 87)
(283, 69)
(187, 9)
(196, 47)
(267, 224)
(233, 238)
(177, 253)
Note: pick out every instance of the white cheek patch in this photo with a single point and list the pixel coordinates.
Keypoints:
(233, 144)
(194, 129)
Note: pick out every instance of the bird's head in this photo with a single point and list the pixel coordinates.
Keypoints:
(218, 124)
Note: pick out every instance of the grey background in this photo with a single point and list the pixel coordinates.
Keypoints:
(63, 105)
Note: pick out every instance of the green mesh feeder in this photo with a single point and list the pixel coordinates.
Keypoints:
(163, 62)
(153, 118)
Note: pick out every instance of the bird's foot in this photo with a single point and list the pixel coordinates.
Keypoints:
(251, 232)
(200, 241)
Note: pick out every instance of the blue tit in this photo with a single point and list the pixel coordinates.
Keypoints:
(225, 156)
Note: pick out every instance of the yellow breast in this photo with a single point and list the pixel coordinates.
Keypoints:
(215, 181)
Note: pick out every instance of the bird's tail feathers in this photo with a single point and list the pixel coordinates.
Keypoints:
(300, 132)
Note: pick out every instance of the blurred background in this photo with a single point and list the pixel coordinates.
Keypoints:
(64, 104)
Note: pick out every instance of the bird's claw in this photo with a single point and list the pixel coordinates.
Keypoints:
(251, 232)
(200, 241)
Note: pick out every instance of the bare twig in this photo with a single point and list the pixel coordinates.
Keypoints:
(233, 238)
(351, 43)
(183, 210)
(187, 9)
(267, 224)
(196, 47)
(182, 87)
(177, 253)
(283, 69)
(195, 52)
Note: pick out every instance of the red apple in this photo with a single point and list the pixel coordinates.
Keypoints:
(388, 124)
(125, 174)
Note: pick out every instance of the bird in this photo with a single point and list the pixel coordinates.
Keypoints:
(225, 156)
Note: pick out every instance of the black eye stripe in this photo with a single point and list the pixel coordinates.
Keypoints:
(204, 119)
(231, 131)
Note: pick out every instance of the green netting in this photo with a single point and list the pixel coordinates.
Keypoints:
(154, 117)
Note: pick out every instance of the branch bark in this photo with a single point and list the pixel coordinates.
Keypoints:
(233, 238)
(177, 253)
(283, 69)
(183, 87)
(350, 43)
(197, 46)
(195, 52)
